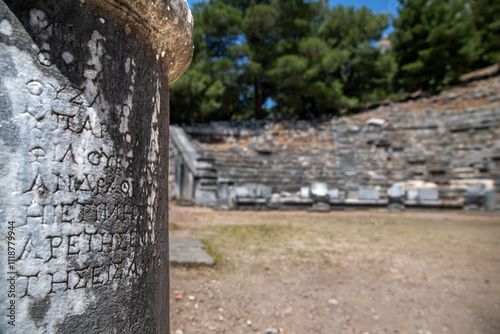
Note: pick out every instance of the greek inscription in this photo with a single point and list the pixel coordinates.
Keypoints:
(68, 95)
(122, 262)
(94, 158)
(76, 189)
(107, 242)
(75, 212)
(65, 183)
(120, 241)
(77, 98)
(26, 279)
(37, 184)
(54, 243)
(96, 99)
(132, 268)
(41, 214)
(84, 185)
(59, 282)
(35, 87)
(62, 121)
(81, 282)
(73, 244)
(89, 183)
(96, 275)
(70, 121)
(27, 249)
(87, 242)
(38, 152)
(125, 187)
(70, 213)
(86, 126)
(68, 153)
(117, 270)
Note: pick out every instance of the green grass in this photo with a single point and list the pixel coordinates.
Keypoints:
(303, 237)
(173, 227)
(215, 252)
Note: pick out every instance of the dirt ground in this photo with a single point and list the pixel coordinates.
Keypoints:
(342, 272)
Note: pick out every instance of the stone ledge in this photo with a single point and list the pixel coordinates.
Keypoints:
(189, 251)
(167, 23)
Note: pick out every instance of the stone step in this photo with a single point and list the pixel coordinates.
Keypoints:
(188, 251)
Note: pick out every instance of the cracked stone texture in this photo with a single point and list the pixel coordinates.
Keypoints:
(83, 147)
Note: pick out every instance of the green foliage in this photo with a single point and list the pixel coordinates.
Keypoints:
(209, 90)
(310, 59)
(487, 18)
(436, 41)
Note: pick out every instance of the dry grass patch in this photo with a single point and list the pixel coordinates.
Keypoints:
(300, 237)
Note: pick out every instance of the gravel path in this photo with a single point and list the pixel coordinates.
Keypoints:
(437, 286)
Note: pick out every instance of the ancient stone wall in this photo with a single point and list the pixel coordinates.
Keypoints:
(449, 142)
(173, 155)
(84, 151)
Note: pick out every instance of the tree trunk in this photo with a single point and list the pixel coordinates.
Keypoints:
(258, 99)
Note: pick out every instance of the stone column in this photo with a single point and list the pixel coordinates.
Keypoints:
(84, 121)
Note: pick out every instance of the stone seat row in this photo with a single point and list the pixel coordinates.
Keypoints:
(377, 153)
(319, 196)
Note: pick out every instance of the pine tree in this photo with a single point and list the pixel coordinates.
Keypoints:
(434, 42)
(209, 90)
(487, 18)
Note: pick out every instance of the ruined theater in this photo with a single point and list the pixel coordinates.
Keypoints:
(427, 152)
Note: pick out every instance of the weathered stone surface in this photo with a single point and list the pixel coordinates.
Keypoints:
(353, 195)
(428, 195)
(272, 331)
(320, 207)
(376, 121)
(244, 192)
(396, 191)
(252, 195)
(189, 251)
(490, 200)
(334, 194)
(195, 175)
(319, 189)
(305, 192)
(83, 172)
(253, 192)
(411, 194)
(186, 149)
(369, 194)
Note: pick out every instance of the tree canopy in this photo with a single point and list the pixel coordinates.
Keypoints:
(303, 59)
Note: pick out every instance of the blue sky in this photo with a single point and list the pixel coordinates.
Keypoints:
(378, 6)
